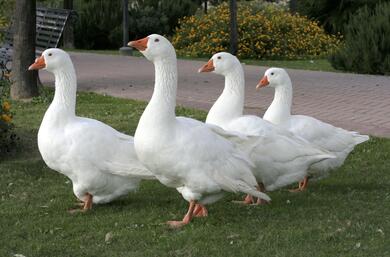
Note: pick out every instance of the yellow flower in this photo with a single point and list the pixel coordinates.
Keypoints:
(6, 118)
(269, 33)
(6, 106)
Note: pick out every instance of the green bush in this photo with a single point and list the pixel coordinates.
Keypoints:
(333, 15)
(367, 42)
(7, 137)
(149, 16)
(265, 31)
(99, 24)
(6, 10)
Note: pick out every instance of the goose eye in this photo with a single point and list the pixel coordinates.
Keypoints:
(272, 73)
(156, 40)
(50, 54)
(219, 57)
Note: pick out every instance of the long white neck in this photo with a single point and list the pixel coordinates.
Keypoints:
(230, 103)
(280, 108)
(64, 102)
(161, 107)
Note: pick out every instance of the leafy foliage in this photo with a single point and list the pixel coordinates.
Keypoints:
(6, 10)
(160, 17)
(265, 31)
(333, 15)
(99, 24)
(367, 42)
(7, 137)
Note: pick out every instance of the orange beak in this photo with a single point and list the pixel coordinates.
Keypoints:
(263, 82)
(140, 44)
(38, 64)
(208, 67)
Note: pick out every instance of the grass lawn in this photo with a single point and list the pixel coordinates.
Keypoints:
(315, 64)
(346, 214)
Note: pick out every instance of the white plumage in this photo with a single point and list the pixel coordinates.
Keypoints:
(184, 153)
(338, 141)
(100, 161)
(280, 158)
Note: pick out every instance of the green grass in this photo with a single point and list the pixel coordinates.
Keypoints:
(346, 214)
(309, 64)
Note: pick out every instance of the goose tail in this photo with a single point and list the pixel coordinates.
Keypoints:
(253, 192)
(360, 138)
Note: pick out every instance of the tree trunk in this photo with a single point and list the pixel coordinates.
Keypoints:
(233, 27)
(24, 82)
(68, 36)
(125, 24)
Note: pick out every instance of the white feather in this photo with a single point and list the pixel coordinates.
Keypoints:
(337, 141)
(280, 158)
(98, 159)
(184, 153)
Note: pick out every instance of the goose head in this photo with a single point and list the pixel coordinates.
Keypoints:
(274, 77)
(154, 47)
(221, 63)
(51, 59)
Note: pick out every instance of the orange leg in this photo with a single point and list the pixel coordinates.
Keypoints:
(79, 203)
(187, 218)
(247, 200)
(302, 185)
(200, 211)
(305, 182)
(261, 188)
(85, 206)
(88, 202)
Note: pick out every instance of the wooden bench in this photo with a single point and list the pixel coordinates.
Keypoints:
(50, 24)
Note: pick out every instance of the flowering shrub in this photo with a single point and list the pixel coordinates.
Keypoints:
(267, 32)
(5, 112)
(7, 137)
(5, 126)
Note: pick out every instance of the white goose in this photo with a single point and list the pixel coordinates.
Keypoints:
(338, 141)
(185, 153)
(280, 157)
(100, 161)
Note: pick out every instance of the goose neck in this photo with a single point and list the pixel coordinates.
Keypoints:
(230, 103)
(163, 100)
(235, 82)
(280, 108)
(283, 95)
(65, 90)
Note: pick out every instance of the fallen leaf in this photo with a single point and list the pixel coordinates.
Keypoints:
(108, 237)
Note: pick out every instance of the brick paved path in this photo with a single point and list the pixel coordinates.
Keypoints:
(355, 102)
